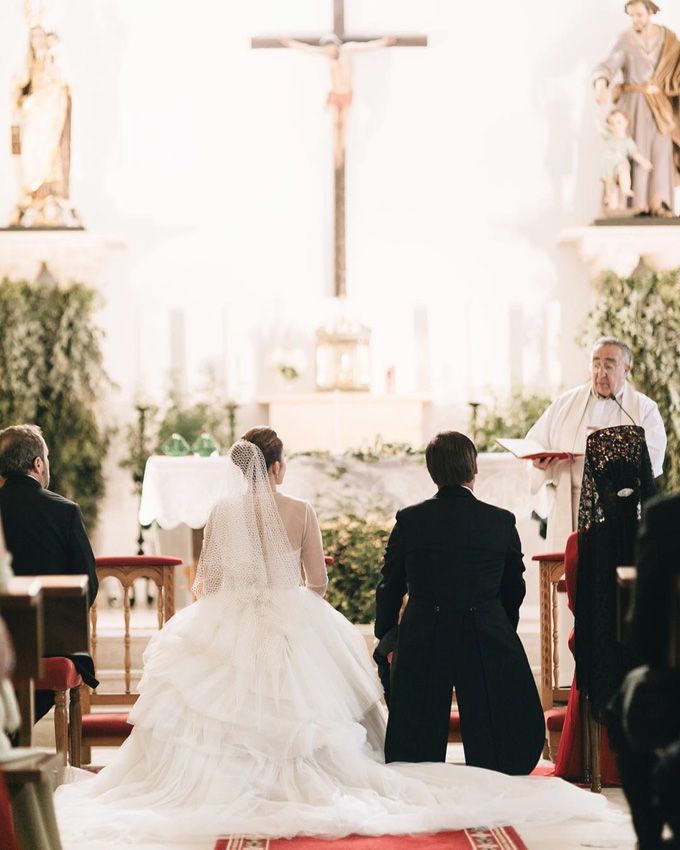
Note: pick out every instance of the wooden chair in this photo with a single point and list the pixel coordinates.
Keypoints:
(107, 728)
(554, 697)
(60, 675)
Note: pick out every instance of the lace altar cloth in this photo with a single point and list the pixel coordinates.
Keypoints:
(180, 490)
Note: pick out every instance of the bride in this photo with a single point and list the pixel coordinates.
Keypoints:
(259, 712)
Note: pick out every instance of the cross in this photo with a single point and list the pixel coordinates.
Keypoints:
(338, 46)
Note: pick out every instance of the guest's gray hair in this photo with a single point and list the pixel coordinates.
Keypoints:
(20, 445)
(619, 343)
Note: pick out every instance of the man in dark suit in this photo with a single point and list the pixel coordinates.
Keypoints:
(646, 715)
(43, 531)
(460, 561)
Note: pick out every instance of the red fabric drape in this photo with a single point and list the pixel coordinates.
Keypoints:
(7, 838)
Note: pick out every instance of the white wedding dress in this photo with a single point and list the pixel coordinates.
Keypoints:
(259, 714)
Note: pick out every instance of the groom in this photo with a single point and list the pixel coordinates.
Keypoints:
(460, 561)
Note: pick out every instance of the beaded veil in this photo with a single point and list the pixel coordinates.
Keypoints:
(246, 549)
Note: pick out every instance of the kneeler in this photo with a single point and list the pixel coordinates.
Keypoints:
(579, 753)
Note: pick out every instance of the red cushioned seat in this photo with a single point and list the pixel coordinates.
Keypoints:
(59, 674)
(554, 718)
(139, 561)
(549, 556)
(106, 725)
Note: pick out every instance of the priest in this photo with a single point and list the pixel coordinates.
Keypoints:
(608, 399)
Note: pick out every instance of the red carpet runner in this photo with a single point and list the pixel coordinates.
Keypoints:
(501, 838)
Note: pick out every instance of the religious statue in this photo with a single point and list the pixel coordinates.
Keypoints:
(339, 53)
(648, 58)
(41, 132)
(620, 148)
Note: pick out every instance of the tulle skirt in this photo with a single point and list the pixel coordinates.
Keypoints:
(263, 717)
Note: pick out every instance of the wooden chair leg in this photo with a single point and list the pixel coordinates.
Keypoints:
(26, 699)
(75, 731)
(60, 723)
(584, 716)
(596, 777)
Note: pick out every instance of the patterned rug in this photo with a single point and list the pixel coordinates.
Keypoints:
(501, 838)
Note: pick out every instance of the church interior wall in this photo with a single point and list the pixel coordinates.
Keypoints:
(212, 164)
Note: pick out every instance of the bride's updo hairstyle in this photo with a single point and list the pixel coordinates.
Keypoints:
(267, 441)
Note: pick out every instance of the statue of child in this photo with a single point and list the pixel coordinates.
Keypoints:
(620, 148)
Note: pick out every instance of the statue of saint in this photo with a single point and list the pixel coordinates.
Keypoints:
(339, 53)
(648, 58)
(41, 134)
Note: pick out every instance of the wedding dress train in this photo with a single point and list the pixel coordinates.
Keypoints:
(259, 714)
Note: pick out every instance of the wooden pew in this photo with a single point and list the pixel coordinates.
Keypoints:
(21, 604)
(30, 782)
(66, 614)
(45, 615)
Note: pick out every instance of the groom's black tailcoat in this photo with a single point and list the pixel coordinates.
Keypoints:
(460, 561)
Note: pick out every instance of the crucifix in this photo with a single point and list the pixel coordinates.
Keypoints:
(338, 47)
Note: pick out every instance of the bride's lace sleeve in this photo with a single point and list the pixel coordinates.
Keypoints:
(313, 563)
(199, 586)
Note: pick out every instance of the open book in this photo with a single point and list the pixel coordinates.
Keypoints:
(531, 450)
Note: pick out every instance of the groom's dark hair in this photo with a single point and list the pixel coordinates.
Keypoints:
(451, 458)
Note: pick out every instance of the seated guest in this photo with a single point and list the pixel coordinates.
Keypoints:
(460, 561)
(617, 480)
(649, 702)
(44, 532)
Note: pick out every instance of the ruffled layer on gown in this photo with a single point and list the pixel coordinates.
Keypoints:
(263, 717)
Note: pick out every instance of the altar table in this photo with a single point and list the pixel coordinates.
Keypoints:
(183, 490)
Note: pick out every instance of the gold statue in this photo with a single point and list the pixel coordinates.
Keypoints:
(41, 132)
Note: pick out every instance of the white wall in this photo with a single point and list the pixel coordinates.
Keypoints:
(212, 163)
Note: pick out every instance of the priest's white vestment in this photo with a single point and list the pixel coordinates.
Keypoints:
(565, 426)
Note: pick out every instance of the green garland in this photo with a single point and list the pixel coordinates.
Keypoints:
(51, 374)
(644, 310)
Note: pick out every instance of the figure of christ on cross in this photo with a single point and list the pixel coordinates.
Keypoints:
(338, 47)
(339, 98)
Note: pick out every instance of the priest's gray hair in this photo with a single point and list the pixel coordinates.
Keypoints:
(619, 343)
